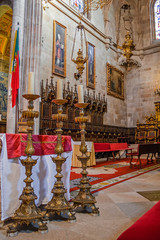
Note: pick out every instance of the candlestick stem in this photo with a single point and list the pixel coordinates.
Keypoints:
(59, 207)
(84, 199)
(28, 213)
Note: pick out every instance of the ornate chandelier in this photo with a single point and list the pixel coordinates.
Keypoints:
(128, 45)
(80, 59)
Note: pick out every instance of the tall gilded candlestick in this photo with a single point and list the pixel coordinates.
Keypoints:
(84, 199)
(28, 213)
(59, 207)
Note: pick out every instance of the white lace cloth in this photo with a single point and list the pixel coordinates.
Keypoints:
(13, 174)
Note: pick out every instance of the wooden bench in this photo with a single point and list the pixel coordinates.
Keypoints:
(110, 147)
(116, 147)
(100, 149)
(152, 148)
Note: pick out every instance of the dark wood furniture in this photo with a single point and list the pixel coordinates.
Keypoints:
(147, 132)
(150, 148)
(3, 126)
(96, 130)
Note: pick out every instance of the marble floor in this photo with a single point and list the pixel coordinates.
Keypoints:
(120, 206)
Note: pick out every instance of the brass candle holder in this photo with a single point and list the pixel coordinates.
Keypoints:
(84, 199)
(59, 207)
(28, 213)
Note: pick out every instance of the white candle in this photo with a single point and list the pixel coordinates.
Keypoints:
(80, 94)
(59, 89)
(31, 83)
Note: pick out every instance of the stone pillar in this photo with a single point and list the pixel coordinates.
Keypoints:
(29, 16)
(32, 49)
(17, 21)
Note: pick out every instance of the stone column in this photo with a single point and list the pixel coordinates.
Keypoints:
(29, 16)
(32, 49)
(17, 21)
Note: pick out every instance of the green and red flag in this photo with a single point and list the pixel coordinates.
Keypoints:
(15, 69)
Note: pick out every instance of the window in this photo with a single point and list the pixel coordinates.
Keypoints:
(157, 19)
(78, 4)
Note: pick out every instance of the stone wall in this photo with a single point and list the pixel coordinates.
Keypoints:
(95, 31)
(141, 84)
(101, 31)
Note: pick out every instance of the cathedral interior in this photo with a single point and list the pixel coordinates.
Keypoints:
(101, 59)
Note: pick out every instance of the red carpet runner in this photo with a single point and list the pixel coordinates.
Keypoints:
(107, 174)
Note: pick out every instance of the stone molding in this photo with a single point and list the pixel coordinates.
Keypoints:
(107, 40)
(101, 36)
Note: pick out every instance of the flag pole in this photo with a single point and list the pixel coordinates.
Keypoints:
(18, 94)
(15, 77)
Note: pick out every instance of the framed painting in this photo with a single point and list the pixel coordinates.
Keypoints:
(115, 82)
(90, 66)
(59, 49)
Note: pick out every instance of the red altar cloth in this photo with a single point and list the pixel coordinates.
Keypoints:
(43, 144)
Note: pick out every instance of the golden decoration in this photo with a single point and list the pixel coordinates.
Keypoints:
(5, 32)
(80, 60)
(28, 213)
(84, 198)
(59, 207)
(157, 108)
(128, 46)
(95, 4)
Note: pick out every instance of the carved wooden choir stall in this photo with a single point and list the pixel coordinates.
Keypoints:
(96, 130)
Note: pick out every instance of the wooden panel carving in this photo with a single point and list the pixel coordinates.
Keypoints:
(96, 130)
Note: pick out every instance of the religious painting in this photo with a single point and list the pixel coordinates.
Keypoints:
(3, 94)
(90, 66)
(59, 49)
(115, 82)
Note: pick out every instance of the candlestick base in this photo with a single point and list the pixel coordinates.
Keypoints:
(85, 201)
(59, 207)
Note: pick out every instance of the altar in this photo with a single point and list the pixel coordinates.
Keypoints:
(76, 152)
(13, 173)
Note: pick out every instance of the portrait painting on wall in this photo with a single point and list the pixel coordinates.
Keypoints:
(115, 82)
(59, 49)
(90, 66)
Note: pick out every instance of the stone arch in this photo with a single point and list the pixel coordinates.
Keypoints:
(120, 29)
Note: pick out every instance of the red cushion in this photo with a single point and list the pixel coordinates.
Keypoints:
(101, 147)
(146, 228)
(119, 146)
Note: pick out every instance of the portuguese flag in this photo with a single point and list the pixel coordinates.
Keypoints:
(15, 69)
